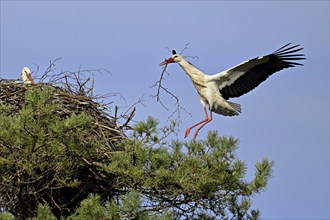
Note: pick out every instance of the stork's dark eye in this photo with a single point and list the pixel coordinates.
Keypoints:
(175, 56)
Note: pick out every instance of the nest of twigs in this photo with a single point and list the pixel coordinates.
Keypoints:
(74, 95)
(12, 94)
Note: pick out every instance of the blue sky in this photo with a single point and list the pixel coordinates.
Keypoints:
(285, 119)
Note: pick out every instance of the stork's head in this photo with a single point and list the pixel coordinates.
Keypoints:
(176, 58)
(26, 75)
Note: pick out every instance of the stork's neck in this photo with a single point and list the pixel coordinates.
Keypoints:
(190, 69)
(196, 75)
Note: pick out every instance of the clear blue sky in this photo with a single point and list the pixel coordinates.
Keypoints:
(286, 119)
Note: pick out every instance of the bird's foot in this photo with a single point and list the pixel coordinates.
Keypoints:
(187, 133)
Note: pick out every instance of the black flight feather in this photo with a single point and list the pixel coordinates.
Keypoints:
(277, 61)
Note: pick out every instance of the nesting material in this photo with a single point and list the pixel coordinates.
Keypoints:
(12, 94)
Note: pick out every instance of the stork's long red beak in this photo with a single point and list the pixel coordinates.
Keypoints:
(30, 78)
(169, 60)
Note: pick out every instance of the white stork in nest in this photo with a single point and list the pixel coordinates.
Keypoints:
(26, 75)
(215, 90)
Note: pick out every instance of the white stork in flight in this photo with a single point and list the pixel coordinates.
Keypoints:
(215, 90)
(26, 75)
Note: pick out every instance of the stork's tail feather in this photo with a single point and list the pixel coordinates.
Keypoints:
(236, 107)
(226, 108)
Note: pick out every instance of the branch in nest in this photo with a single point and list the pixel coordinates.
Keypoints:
(128, 115)
(51, 68)
(77, 82)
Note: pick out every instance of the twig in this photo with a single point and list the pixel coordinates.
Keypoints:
(185, 48)
(129, 118)
(49, 69)
(178, 108)
(160, 83)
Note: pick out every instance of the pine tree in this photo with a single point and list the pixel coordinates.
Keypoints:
(53, 166)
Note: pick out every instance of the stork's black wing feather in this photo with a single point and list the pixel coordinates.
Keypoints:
(265, 66)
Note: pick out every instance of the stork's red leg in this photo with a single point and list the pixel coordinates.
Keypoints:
(204, 122)
(207, 121)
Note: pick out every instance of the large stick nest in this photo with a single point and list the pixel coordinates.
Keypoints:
(71, 101)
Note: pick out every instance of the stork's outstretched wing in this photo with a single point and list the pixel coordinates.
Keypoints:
(246, 76)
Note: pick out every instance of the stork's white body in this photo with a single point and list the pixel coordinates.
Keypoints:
(215, 90)
(208, 90)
